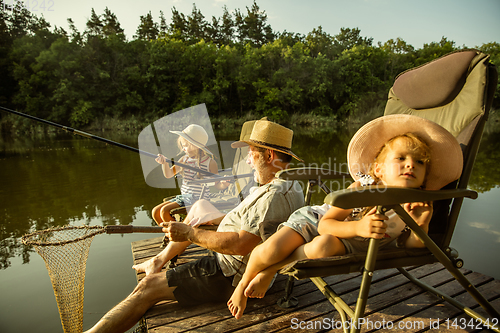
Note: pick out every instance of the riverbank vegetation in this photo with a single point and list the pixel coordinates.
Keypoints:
(236, 64)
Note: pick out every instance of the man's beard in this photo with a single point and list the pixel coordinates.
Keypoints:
(262, 173)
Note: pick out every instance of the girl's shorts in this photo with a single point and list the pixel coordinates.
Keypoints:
(183, 199)
(357, 245)
(304, 221)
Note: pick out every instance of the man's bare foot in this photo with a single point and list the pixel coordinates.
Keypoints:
(238, 302)
(153, 265)
(257, 288)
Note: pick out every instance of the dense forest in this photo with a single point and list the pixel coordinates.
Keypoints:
(236, 64)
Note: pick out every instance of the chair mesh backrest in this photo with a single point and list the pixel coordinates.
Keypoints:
(449, 91)
(240, 165)
(452, 91)
(236, 191)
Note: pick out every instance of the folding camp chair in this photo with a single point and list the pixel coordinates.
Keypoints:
(455, 91)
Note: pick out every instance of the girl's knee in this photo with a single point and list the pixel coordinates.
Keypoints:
(156, 210)
(325, 246)
(164, 209)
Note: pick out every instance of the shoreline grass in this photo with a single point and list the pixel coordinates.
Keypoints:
(11, 125)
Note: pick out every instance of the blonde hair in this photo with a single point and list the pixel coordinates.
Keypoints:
(200, 153)
(414, 143)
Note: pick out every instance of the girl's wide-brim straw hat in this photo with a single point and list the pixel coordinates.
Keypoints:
(196, 135)
(269, 135)
(446, 156)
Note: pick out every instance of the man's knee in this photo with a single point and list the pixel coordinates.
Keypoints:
(151, 285)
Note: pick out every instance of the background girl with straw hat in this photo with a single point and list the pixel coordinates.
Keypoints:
(192, 142)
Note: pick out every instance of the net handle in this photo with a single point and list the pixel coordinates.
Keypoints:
(31, 239)
(128, 229)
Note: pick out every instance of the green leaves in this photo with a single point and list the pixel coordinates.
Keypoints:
(234, 64)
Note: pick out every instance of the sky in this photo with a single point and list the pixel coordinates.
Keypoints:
(468, 23)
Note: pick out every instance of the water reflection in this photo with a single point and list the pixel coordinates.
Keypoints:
(486, 172)
(56, 180)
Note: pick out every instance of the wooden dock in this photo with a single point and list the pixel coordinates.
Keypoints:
(394, 303)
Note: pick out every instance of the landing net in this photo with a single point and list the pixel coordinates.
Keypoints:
(65, 251)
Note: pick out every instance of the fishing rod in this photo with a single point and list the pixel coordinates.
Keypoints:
(221, 178)
(91, 136)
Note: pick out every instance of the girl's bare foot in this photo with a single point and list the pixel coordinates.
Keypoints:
(257, 288)
(238, 302)
(153, 265)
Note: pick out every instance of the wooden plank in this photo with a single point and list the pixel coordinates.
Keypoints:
(323, 309)
(211, 318)
(270, 317)
(137, 245)
(422, 304)
(464, 322)
(392, 298)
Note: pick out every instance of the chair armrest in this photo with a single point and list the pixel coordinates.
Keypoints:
(368, 196)
(310, 173)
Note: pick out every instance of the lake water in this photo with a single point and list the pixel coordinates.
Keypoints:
(59, 179)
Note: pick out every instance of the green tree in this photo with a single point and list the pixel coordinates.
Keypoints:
(213, 32)
(253, 28)
(8, 83)
(111, 26)
(197, 26)
(433, 51)
(178, 26)
(148, 29)
(227, 28)
(94, 25)
(290, 38)
(401, 54)
(493, 49)
(320, 42)
(76, 36)
(20, 20)
(34, 84)
(163, 24)
(349, 38)
(359, 79)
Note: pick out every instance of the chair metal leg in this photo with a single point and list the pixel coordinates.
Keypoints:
(447, 263)
(371, 258)
(339, 304)
(288, 301)
(447, 298)
(173, 262)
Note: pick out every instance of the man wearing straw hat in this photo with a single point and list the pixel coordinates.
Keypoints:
(213, 278)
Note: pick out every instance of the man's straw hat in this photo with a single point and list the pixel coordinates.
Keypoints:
(196, 135)
(446, 156)
(269, 135)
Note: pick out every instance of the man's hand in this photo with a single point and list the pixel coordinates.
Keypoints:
(177, 231)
